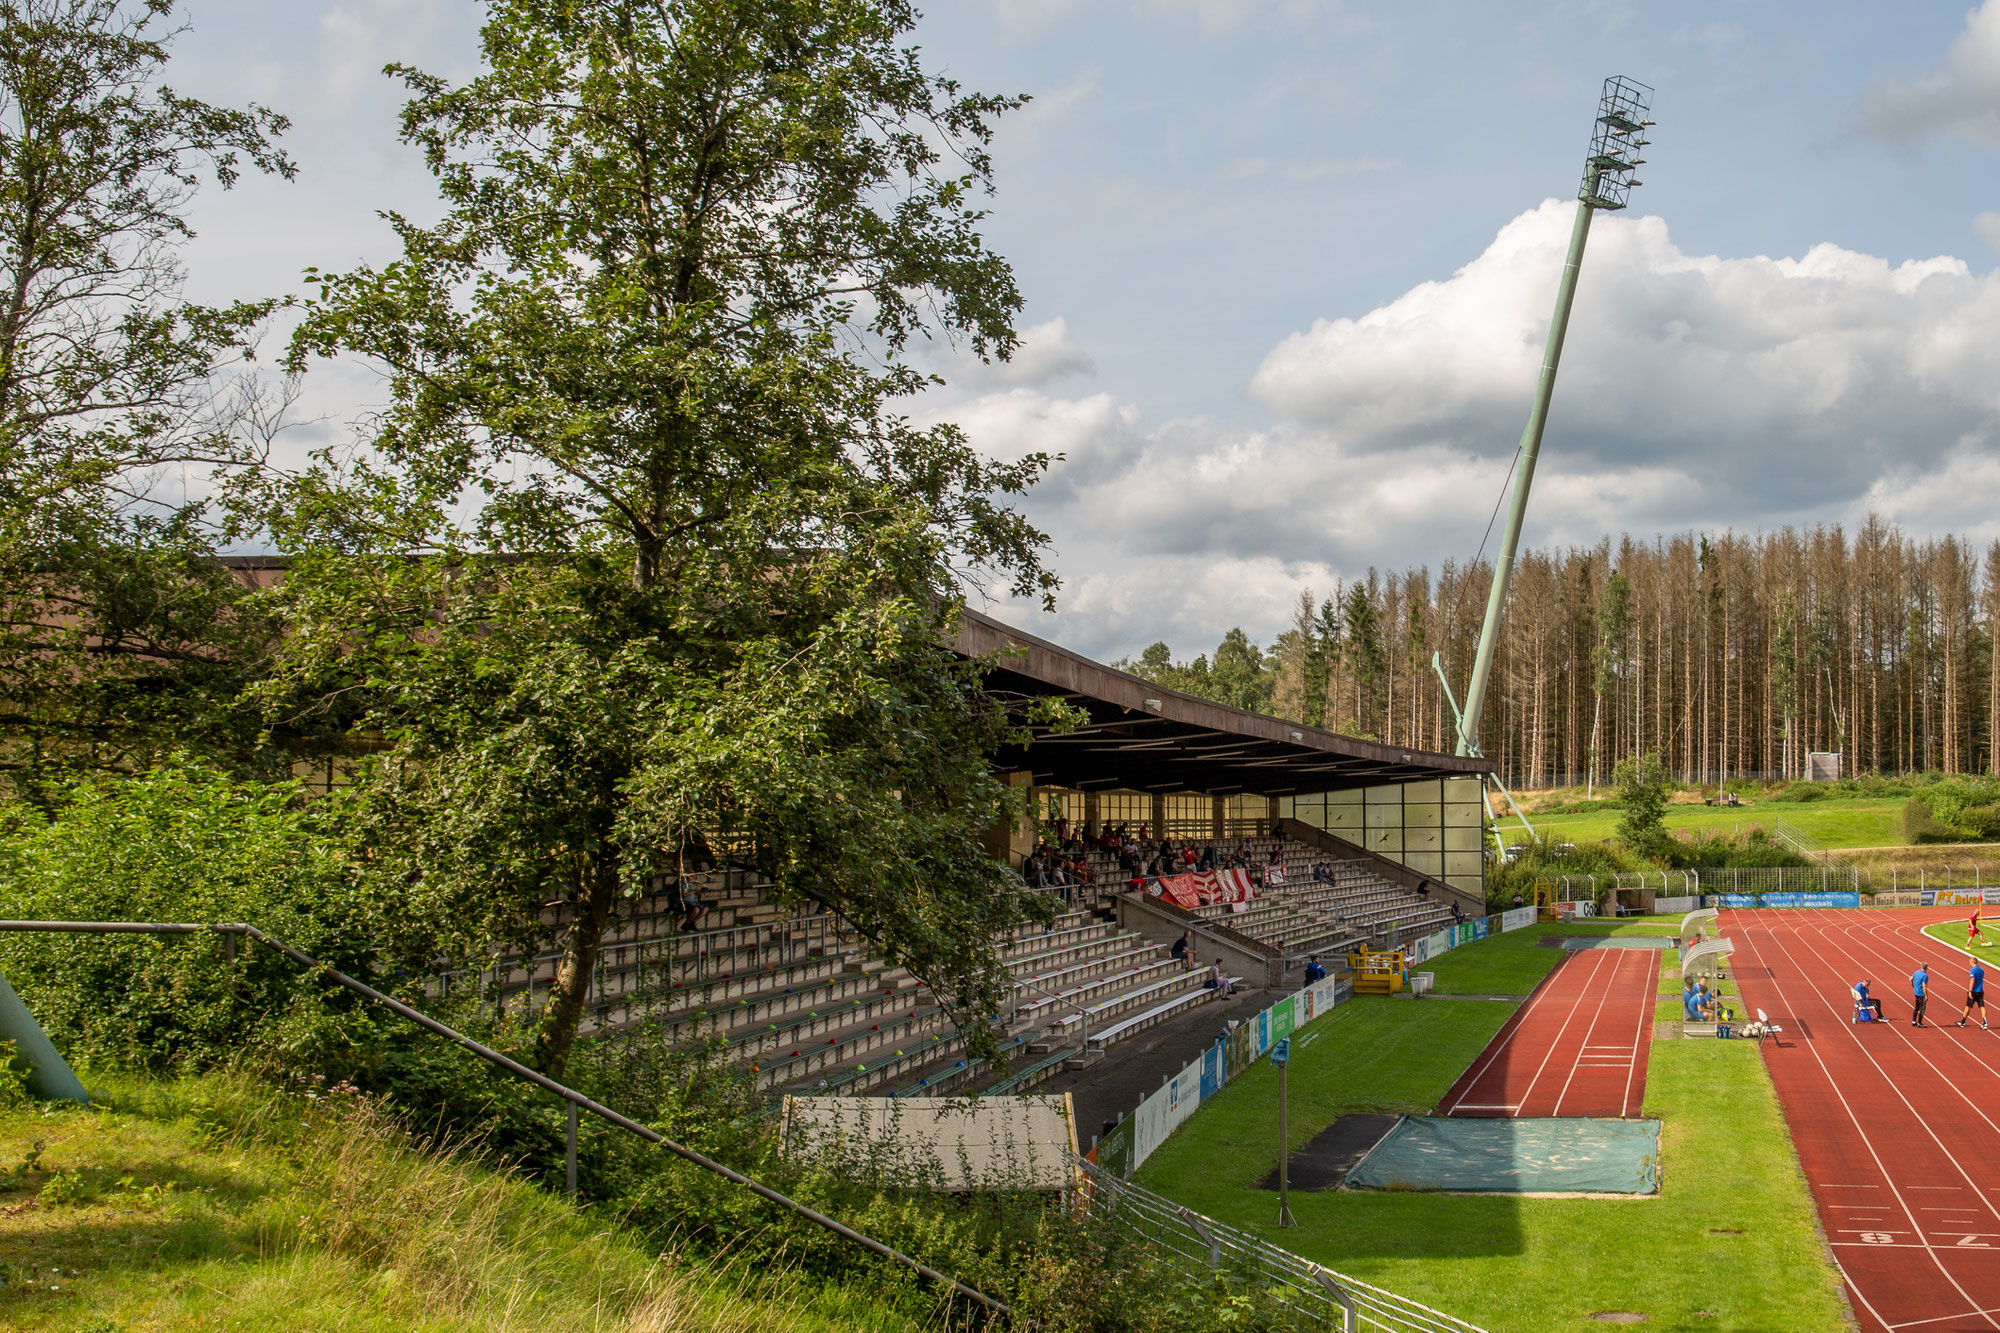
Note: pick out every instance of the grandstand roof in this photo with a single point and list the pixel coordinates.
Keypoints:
(1144, 737)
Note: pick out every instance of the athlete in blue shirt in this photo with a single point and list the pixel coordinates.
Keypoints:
(1976, 994)
(1920, 983)
(1863, 1000)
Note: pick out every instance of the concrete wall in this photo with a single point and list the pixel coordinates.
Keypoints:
(1257, 964)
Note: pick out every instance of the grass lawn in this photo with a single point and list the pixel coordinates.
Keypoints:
(1856, 822)
(1953, 934)
(1731, 1242)
(159, 1211)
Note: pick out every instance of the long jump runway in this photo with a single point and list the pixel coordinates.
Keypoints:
(1898, 1129)
(1578, 1047)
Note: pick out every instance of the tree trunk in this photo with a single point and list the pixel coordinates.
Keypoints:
(577, 964)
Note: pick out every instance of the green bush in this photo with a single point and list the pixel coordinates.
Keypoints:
(183, 844)
(1920, 827)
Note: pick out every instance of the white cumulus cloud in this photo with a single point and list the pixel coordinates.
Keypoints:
(1695, 391)
(1959, 95)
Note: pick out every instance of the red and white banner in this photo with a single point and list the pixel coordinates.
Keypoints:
(1203, 888)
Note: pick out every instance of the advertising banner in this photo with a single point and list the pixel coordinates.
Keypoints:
(1483, 927)
(1668, 906)
(1735, 900)
(1440, 942)
(1829, 900)
(1202, 888)
(1418, 951)
(1517, 917)
(1284, 1019)
(1211, 1071)
(1958, 898)
(1991, 895)
(1776, 899)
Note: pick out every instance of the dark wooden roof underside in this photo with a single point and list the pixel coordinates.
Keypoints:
(1144, 737)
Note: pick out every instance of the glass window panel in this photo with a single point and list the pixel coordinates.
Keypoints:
(1462, 789)
(1462, 863)
(1351, 796)
(1342, 819)
(1382, 814)
(1463, 839)
(1387, 841)
(1423, 816)
(1425, 863)
(1432, 791)
(1458, 815)
(1423, 840)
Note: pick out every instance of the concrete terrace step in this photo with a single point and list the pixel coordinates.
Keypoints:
(1159, 1013)
(1112, 985)
(1119, 1005)
(1055, 979)
(910, 1034)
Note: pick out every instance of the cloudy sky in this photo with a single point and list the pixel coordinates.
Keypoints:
(1289, 264)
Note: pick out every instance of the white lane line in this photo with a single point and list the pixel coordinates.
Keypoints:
(1524, 1014)
(1518, 1019)
(1855, 1120)
(1575, 1061)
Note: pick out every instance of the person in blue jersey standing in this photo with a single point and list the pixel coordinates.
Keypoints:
(1975, 994)
(1920, 985)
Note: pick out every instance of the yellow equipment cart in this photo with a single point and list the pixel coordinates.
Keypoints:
(1377, 971)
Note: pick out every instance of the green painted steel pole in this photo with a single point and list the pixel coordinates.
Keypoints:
(1531, 448)
(49, 1075)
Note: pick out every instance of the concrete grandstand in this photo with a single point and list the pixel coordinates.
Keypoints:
(1098, 1005)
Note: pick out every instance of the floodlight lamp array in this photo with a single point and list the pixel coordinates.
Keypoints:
(1615, 141)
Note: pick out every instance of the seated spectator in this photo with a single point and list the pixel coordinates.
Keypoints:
(1274, 874)
(1690, 1002)
(1218, 980)
(1183, 950)
(1314, 972)
(691, 907)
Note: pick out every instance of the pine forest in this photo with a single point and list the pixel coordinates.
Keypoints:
(1728, 655)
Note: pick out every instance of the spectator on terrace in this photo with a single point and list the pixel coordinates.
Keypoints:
(692, 908)
(1457, 914)
(1208, 857)
(1182, 950)
(1062, 829)
(1218, 980)
(1314, 972)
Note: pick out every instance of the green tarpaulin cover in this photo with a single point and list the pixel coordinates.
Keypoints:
(1515, 1157)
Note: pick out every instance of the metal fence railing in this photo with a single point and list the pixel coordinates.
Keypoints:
(1318, 1296)
(1838, 872)
(673, 964)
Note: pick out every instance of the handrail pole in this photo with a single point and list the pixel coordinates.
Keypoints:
(519, 1070)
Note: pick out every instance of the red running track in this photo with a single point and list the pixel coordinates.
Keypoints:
(1897, 1129)
(1578, 1047)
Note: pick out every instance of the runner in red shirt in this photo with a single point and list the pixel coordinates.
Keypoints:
(1972, 928)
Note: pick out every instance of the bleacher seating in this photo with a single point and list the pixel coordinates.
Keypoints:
(806, 1004)
(1305, 917)
(803, 1001)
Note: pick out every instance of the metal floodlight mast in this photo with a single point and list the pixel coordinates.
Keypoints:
(1615, 141)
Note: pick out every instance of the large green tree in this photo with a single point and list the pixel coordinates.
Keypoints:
(643, 545)
(117, 635)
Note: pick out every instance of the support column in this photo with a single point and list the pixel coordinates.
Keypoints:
(1159, 815)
